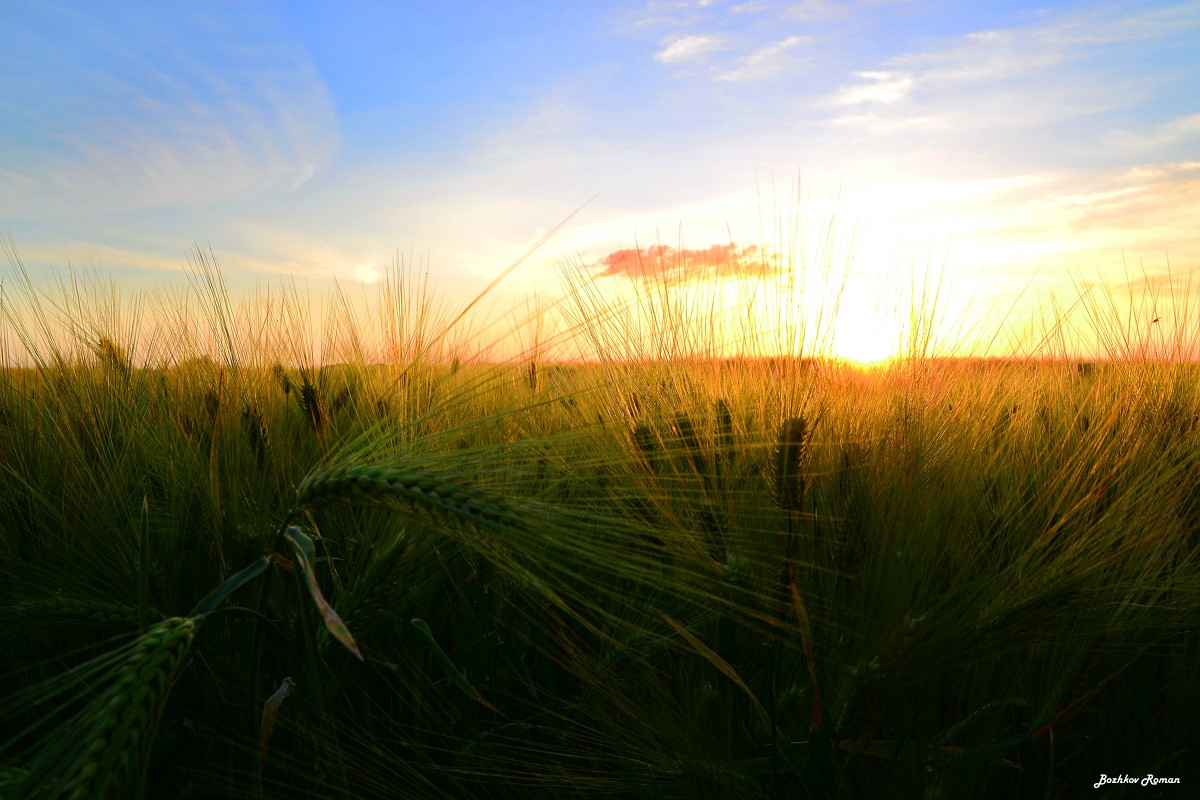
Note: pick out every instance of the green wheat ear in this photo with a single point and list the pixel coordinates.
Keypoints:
(531, 375)
(376, 485)
(648, 446)
(58, 607)
(95, 757)
(790, 487)
(310, 402)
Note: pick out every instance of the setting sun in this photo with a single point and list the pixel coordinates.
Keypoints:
(869, 314)
(865, 338)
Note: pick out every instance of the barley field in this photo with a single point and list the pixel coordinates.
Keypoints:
(410, 570)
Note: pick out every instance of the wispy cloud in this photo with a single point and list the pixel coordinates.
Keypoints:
(185, 113)
(1180, 129)
(765, 61)
(1006, 54)
(85, 254)
(1121, 209)
(1060, 218)
(670, 13)
(691, 32)
(821, 10)
(879, 87)
(687, 48)
(1036, 75)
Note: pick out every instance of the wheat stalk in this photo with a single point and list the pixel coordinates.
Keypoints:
(726, 441)
(113, 357)
(372, 484)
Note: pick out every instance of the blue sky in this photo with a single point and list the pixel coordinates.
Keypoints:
(1015, 144)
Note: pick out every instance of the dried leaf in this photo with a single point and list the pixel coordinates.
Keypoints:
(269, 715)
(333, 623)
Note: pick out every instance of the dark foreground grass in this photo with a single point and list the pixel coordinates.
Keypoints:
(687, 578)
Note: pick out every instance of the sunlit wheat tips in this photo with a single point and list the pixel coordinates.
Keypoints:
(112, 357)
(371, 484)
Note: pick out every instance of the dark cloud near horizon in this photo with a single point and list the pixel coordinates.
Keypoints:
(667, 264)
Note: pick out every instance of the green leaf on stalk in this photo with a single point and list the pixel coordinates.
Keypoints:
(447, 665)
(231, 585)
(721, 664)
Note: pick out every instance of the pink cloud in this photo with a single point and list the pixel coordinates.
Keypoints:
(664, 263)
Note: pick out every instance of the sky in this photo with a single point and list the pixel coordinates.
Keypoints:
(1015, 156)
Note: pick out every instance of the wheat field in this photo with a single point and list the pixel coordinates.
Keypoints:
(249, 573)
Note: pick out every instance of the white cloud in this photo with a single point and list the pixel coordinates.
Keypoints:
(765, 61)
(1168, 133)
(821, 10)
(990, 55)
(880, 124)
(670, 13)
(687, 48)
(880, 87)
(809, 10)
(1054, 72)
(1005, 54)
(1078, 215)
(99, 254)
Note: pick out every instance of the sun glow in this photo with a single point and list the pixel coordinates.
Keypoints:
(869, 323)
(869, 313)
(865, 337)
(369, 273)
